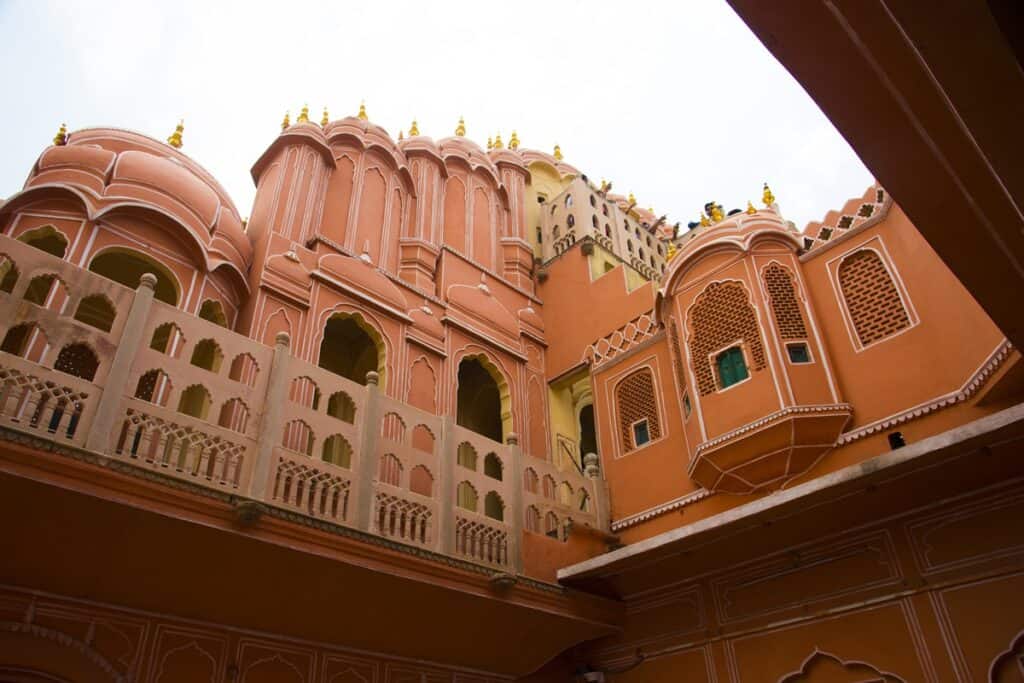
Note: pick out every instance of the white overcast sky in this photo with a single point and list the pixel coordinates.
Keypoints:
(676, 101)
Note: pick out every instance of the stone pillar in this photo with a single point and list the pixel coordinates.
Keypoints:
(446, 488)
(367, 454)
(602, 509)
(271, 427)
(514, 513)
(104, 426)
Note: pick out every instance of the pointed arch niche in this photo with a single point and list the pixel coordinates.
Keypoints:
(351, 347)
(126, 267)
(484, 401)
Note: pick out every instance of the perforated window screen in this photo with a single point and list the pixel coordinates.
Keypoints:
(722, 316)
(785, 306)
(635, 399)
(871, 297)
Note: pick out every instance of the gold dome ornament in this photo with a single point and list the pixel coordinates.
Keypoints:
(414, 129)
(175, 139)
(767, 197)
(632, 199)
(704, 220)
(558, 153)
(513, 142)
(303, 115)
(716, 213)
(490, 143)
(671, 252)
(750, 208)
(460, 130)
(498, 144)
(61, 138)
(362, 111)
(325, 119)
(401, 134)
(287, 121)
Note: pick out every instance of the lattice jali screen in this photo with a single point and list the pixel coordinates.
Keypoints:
(677, 354)
(785, 306)
(635, 399)
(722, 316)
(871, 297)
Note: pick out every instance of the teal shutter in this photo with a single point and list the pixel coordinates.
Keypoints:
(731, 367)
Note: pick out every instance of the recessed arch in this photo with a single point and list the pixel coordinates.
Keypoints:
(79, 360)
(213, 311)
(46, 238)
(96, 311)
(351, 347)
(494, 506)
(483, 401)
(126, 266)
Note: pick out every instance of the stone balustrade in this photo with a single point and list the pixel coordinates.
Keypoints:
(166, 391)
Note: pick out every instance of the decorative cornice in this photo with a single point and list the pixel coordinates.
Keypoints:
(649, 513)
(969, 388)
(833, 408)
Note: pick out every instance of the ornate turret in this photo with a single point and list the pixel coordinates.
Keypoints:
(286, 122)
(767, 197)
(175, 139)
(513, 142)
(460, 130)
(414, 129)
(558, 153)
(303, 115)
(61, 138)
(325, 119)
(362, 112)
(498, 144)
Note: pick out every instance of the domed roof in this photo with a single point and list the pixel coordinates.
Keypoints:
(425, 320)
(465, 149)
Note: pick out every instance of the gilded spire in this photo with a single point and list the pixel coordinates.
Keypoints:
(414, 129)
(325, 119)
(671, 251)
(362, 111)
(61, 138)
(632, 199)
(716, 213)
(558, 153)
(175, 139)
(767, 197)
(704, 220)
(401, 134)
(750, 208)
(490, 143)
(460, 130)
(513, 142)
(303, 115)
(287, 121)
(498, 144)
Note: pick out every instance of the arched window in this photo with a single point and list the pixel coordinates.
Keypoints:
(593, 202)
(568, 200)
(18, 339)
(565, 493)
(872, 300)
(532, 519)
(126, 267)
(554, 233)
(731, 367)
(46, 238)
(466, 456)
(305, 392)
(390, 470)
(549, 486)
(393, 427)
(629, 246)
(423, 439)
(8, 274)
(593, 221)
(465, 496)
(155, 387)
(637, 409)
(349, 350)
(571, 221)
(213, 311)
(341, 406)
(207, 355)
(244, 369)
(721, 317)
(96, 311)
(584, 501)
(168, 339)
(494, 506)
(785, 307)
(78, 360)
(481, 401)
(607, 230)
(588, 434)
(195, 401)
(234, 415)
(298, 436)
(531, 482)
(421, 481)
(337, 451)
(492, 466)
(551, 525)
(46, 290)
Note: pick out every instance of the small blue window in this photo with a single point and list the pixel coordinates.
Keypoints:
(641, 433)
(732, 368)
(798, 353)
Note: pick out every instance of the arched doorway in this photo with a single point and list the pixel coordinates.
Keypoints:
(588, 435)
(351, 348)
(46, 238)
(126, 267)
(482, 404)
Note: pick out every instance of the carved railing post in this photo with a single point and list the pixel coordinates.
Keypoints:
(602, 511)
(270, 421)
(446, 489)
(367, 454)
(514, 516)
(104, 426)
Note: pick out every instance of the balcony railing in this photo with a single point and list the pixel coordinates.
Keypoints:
(194, 401)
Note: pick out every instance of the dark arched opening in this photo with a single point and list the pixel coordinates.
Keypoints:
(348, 350)
(46, 238)
(479, 400)
(588, 436)
(126, 267)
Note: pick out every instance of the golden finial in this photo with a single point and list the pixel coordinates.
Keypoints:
(513, 142)
(287, 121)
(490, 143)
(325, 119)
(716, 213)
(558, 153)
(498, 144)
(632, 199)
(460, 130)
(671, 251)
(362, 111)
(61, 138)
(704, 220)
(175, 139)
(401, 134)
(750, 208)
(767, 197)
(303, 115)
(414, 129)
(604, 184)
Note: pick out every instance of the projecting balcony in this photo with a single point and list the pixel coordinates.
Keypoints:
(164, 392)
